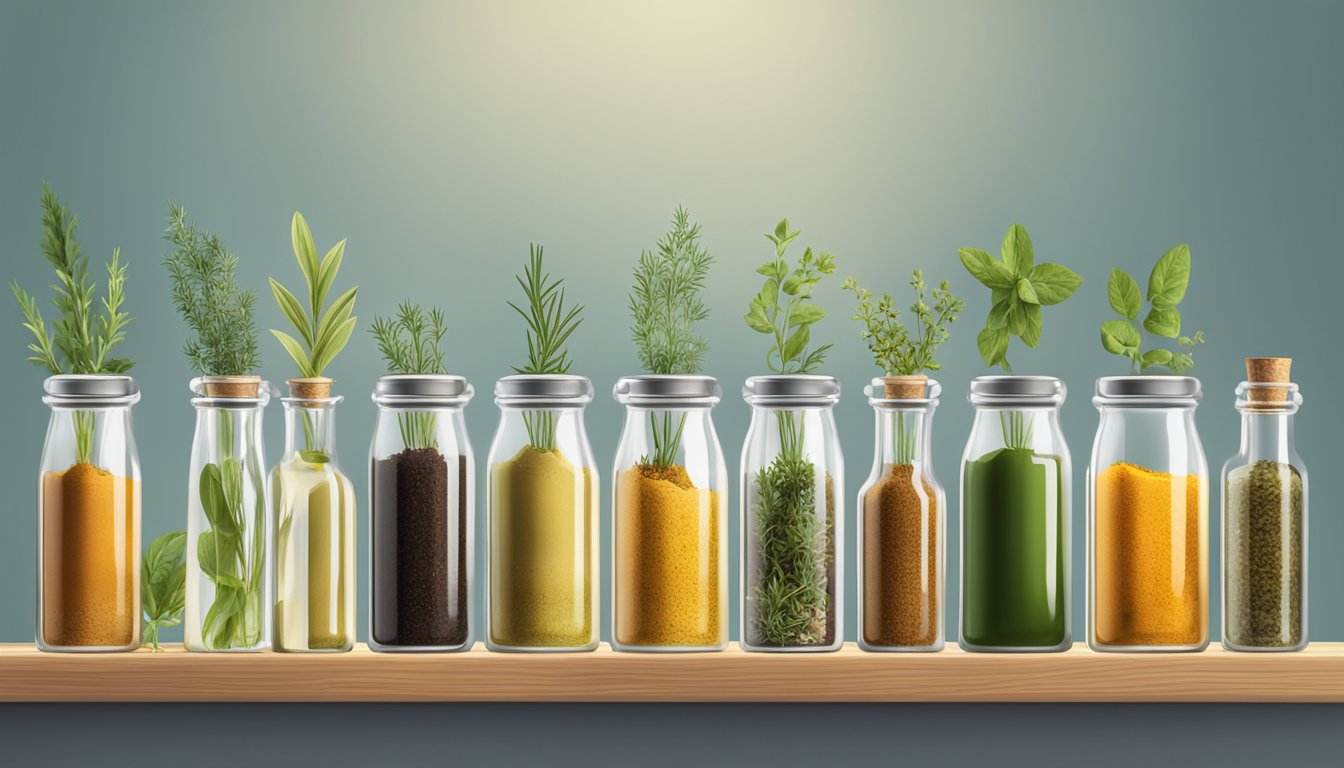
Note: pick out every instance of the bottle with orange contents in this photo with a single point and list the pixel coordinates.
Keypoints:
(1147, 504)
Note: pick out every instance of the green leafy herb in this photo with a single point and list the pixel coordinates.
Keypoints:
(412, 343)
(323, 333)
(665, 305)
(789, 324)
(207, 296)
(234, 619)
(1019, 288)
(549, 326)
(895, 350)
(1167, 285)
(163, 585)
(82, 336)
(791, 593)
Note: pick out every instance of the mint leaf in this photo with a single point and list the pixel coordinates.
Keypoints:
(984, 268)
(1119, 337)
(1163, 322)
(1031, 334)
(1054, 283)
(993, 344)
(1170, 278)
(1017, 251)
(1026, 292)
(1123, 292)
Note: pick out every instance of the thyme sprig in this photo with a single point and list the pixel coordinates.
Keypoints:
(895, 350)
(412, 342)
(549, 326)
(206, 294)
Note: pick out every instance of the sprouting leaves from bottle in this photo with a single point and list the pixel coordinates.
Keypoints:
(1167, 285)
(784, 309)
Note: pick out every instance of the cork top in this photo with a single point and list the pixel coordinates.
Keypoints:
(231, 386)
(318, 388)
(905, 387)
(1268, 370)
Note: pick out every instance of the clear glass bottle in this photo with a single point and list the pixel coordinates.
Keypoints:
(422, 483)
(1147, 518)
(314, 527)
(792, 501)
(1015, 518)
(543, 517)
(902, 522)
(228, 595)
(670, 520)
(88, 517)
(1265, 523)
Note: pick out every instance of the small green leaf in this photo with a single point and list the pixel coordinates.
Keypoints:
(1026, 292)
(1156, 357)
(326, 275)
(756, 319)
(1123, 292)
(323, 356)
(797, 341)
(792, 284)
(1119, 337)
(993, 344)
(998, 314)
(806, 313)
(782, 229)
(769, 295)
(1017, 251)
(304, 250)
(1017, 318)
(984, 268)
(314, 457)
(1163, 322)
(1181, 362)
(1170, 278)
(292, 310)
(1054, 283)
(1031, 334)
(295, 351)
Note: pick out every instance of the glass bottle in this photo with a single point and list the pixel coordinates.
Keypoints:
(228, 595)
(902, 522)
(1147, 515)
(314, 527)
(1265, 519)
(88, 517)
(422, 483)
(792, 501)
(670, 520)
(1015, 518)
(542, 532)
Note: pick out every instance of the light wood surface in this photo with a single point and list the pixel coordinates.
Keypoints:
(1313, 675)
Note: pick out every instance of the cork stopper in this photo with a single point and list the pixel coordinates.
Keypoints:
(1268, 370)
(310, 389)
(905, 387)
(231, 386)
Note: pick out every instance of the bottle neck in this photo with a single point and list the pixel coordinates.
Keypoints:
(310, 428)
(1267, 436)
(903, 436)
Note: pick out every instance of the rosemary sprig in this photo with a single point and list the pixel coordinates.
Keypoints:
(791, 591)
(411, 342)
(665, 305)
(549, 326)
(207, 296)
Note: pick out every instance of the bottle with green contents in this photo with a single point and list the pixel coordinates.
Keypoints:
(1015, 518)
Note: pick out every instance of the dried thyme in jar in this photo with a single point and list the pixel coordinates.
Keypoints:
(1264, 555)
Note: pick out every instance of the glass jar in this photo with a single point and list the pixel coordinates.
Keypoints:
(543, 502)
(1265, 526)
(670, 520)
(88, 517)
(315, 527)
(792, 501)
(422, 483)
(1015, 518)
(902, 522)
(1147, 515)
(228, 594)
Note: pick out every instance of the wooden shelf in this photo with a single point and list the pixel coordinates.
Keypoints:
(1313, 675)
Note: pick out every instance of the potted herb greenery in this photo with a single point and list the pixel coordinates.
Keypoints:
(791, 466)
(227, 606)
(314, 500)
(670, 504)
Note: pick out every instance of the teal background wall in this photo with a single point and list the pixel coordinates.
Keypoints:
(441, 139)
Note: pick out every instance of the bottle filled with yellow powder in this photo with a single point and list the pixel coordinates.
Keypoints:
(88, 526)
(314, 523)
(1148, 500)
(669, 528)
(542, 524)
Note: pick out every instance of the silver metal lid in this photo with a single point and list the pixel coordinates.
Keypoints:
(1148, 391)
(540, 390)
(408, 390)
(90, 390)
(794, 390)
(1018, 391)
(667, 391)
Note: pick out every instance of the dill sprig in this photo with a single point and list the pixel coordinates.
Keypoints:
(206, 294)
(81, 337)
(411, 342)
(549, 326)
(665, 305)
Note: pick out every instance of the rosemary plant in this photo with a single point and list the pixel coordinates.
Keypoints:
(549, 326)
(82, 336)
(411, 342)
(665, 305)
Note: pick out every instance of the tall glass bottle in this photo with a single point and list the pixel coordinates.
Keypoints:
(1147, 505)
(422, 483)
(88, 517)
(314, 527)
(543, 502)
(1265, 518)
(1015, 518)
(792, 502)
(670, 520)
(228, 595)
(902, 522)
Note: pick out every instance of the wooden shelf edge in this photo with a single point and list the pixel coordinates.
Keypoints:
(1313, 675)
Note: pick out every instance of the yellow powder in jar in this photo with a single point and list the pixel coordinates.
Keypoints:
(90, 559)
(668, 573)
(1150, 578)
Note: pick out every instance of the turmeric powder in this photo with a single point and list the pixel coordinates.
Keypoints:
(1151, 572)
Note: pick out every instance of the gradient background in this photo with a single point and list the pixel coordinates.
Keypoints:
(441, 139)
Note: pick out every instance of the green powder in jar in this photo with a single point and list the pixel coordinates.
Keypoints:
(1263, 553)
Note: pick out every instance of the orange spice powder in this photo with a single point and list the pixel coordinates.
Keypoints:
(900, 561)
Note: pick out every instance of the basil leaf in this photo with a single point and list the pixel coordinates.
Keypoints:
(1017, 318)
(1018, 255)
(1031, 335)
(1123, 292)
(993, 344)
(1170, 278)
(1156, 357)
(806, 313)
(792, 284)
(796, 342)
(756, 318)
(1163, 322)
(1119, 337)
(998, 314)
(1026, 292)
(1054, 283)
(984, 268)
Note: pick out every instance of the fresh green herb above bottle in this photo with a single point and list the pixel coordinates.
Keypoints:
(789, 323)
(323, 329)
(206, 294)
(895, 350)
(549, 326)
(1167, 285)
(412, 342)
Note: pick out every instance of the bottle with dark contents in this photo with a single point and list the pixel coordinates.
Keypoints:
(1265, 518)
(422, 493)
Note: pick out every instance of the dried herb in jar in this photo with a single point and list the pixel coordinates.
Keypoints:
(1264, 555)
